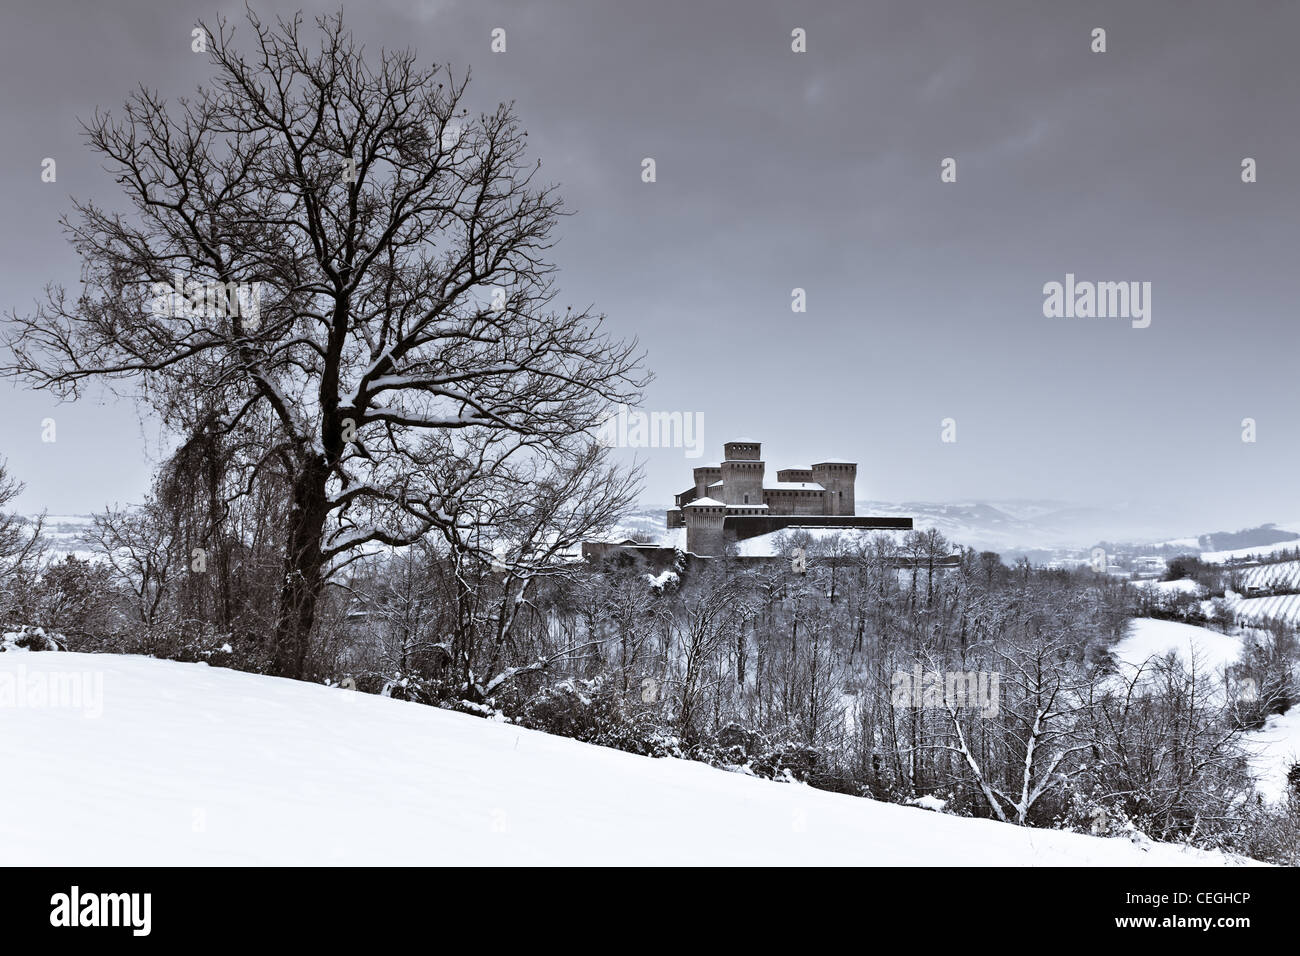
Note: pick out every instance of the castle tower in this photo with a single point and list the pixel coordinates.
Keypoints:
(704, 476)
(742, 473)
(742, 449)
(703, 519)
(838, 478)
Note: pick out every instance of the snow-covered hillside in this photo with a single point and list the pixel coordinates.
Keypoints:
(1275, 749)
(1147, 638)
(187, 764)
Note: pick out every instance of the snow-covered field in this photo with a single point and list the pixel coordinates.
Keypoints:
(1279, 607)
(1266, 592)
(1280, 576)
(1275, 750)
(1170, 588)
(1007, 526)
(186, 764)
(1148, 637)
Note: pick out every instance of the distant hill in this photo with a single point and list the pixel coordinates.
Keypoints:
(1264, 535)
(1041, 529)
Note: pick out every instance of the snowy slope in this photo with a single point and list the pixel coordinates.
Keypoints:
(1275, 749)
(1278, 607)
(190, 764)
(1148, 637)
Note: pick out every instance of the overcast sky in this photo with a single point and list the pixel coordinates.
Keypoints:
(820, 170)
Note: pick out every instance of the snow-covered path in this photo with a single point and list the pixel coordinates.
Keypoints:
(195, 765)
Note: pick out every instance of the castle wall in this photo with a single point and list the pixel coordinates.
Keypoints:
(741, 527)
(794, 474)
(795, 501)
(809, 503)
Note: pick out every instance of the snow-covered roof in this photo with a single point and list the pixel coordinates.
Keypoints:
(744, 441)
(793, 486)
(705, 503)
(716, 484)
(743, 507)
(835, 461)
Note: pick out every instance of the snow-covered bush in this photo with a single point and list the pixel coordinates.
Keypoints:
(1269, 832)
(24, 637)
(594, 712)
(762, 755)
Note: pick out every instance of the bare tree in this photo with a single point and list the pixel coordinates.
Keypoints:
(706, 617)
(384, 294)
(138, 544)
(1045, 691)
(538, 523)
(1166, 749)
(629, 602)
(21, 545)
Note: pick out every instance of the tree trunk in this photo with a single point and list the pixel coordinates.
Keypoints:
(218, 544)
(303, 580)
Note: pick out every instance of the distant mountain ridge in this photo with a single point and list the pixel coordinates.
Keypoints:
(1262, 536)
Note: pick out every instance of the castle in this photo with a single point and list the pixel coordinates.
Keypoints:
(730, 502)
